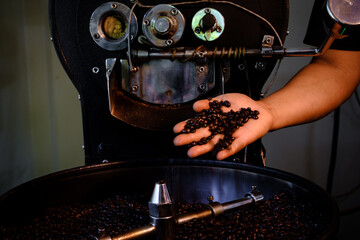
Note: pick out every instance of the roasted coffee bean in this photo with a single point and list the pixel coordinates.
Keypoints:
(226, 104)
(219, 122)
(284, 216)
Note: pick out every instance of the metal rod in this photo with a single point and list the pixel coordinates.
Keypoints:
(214, 209)
(193, 215)
(238, 52)
(229, 53)
(142, 232)
(237, 204)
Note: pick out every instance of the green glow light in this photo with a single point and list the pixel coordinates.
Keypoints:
(343, 31)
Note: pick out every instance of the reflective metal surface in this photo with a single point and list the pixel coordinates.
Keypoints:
(165, 224)
(344, 11)
(109, 26)
(208, 24)
(168, 82)
(189, 180)
(163, 25)
(125, 105)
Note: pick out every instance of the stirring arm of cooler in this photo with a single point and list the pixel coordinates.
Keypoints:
(163, 222)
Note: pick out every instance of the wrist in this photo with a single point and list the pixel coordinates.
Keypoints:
(269, 114)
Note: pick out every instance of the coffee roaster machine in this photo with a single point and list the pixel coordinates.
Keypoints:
(138, 67)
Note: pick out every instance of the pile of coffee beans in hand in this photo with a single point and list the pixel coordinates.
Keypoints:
(219, 122)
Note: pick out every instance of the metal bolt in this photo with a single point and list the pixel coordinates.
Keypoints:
(95, 70)
(260, 66)
(207, 10)
(241, 67)
(134, 69)
(174, 11)
(114, 5)
(202, 87)
(134, 88)
(169, 42)
(96, 35)
(197, 30)
(201, 69)
(146, 22)
(219, 29)
(201, 54)
(268, 40)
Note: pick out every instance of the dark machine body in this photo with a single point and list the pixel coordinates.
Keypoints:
(148, 132)
(132, 94)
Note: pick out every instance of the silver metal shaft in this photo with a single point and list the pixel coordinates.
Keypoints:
(163, 226)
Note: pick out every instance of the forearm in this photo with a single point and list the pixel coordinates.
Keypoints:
(316, 90)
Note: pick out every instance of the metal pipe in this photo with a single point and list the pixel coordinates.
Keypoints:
(142, 232)
(230, 206)
(335, 33)
(193, 215)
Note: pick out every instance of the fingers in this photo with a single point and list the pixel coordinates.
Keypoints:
(243, 137)
(179, 127)
(184, 139)
(200, 105)
(197, 106)
(236, 146)
(202, 149)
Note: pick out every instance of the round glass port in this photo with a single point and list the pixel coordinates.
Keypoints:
(345, 11)
(109, 26)
(114, 27)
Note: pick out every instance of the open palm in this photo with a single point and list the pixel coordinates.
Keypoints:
(251, 131)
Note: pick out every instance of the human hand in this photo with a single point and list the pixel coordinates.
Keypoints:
(242, 136)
